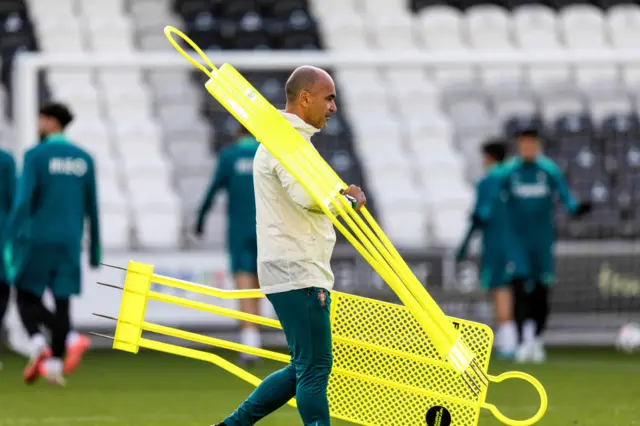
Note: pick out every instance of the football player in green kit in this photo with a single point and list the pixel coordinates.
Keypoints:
(489, 217)
(234, 174)
(56, 193)
(531, 183)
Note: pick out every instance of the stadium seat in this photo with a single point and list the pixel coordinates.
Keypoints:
(433, 125)
(115, 231)
(447, 189)
(345, 31)
(60, 37)
(557, 104)
(92, 8)
(154, 208)
(128, 131)
(623, 27)
(84, 99)
(583, 27)
(448, 226)
(91, 130)
(115, 221)
(171, 87)
(441, 27)
(126, 102)
(379, 154)
(573, 124)
(603, 108)
(63, 8)
(622, 24)
(191, 154)
(412, 91)
(622, 126)
(407, 228)
(108, 33)
(148, 222)
(366, 86)
(471, 116)
(389, 8)
(487, 28)
(392, 32)
(437, 157)
(535, 27)
(509, 105)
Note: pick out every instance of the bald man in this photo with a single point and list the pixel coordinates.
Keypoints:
(295, 244)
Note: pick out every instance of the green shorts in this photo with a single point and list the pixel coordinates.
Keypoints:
(494, 275)
(535, 264)
(50, 267)
(243, 255)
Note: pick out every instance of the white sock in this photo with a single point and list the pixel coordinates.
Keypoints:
(508, 333)
(529, 331)
(37, 343)
(497, 341)
(72, 337)
(53, 366)
(251, 337)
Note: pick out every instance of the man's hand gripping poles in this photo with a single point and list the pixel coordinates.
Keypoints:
(464, 357)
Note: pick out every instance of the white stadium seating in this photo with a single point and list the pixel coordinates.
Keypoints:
(417, 130)
(115, 121)
(443, 143)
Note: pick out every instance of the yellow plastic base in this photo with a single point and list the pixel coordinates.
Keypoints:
(133, 307)
(386, 369)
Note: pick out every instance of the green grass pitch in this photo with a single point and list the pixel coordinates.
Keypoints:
(586, 387)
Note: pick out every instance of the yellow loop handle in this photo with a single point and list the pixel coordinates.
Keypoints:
(169, 31)
(527, 378)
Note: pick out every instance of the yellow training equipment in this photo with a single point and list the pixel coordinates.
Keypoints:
(386, 370)
(302, 160)
(449, 366)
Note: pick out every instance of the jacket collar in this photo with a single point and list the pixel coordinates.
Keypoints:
(57, 137)
(307, 130)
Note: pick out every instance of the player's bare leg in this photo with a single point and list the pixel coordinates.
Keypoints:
(507, 335)
(249, 332)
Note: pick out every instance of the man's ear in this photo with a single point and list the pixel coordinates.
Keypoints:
(304, 98)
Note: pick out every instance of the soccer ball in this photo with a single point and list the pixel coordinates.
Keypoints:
(628, 339)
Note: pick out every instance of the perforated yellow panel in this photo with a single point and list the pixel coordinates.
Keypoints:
(387, 372)
(386, 369)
